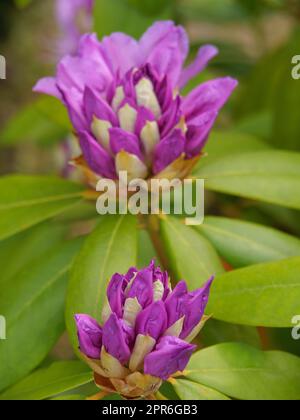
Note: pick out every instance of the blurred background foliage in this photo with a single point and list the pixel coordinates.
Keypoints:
(257, 40)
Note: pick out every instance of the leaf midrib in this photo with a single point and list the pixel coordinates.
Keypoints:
(257, 245)
(42, 200)
(18, 394)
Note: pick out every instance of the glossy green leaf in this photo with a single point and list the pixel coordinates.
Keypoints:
(48, 382)
(146, 251)
(270, 176)
(223, 144)
(28, 200)
(19, 250)
(111, 248)
(191, 256)
(260, 295)
(216, 332)
(44, 121)
(33, 305)
(188, 390)
(245, 373)
(242, 243)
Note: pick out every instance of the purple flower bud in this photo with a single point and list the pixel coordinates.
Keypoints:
(120, 97)
(152, 320)
(171, 355)
(89, 336)
(146, 333)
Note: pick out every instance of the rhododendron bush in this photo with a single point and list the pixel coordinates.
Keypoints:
(143, 303)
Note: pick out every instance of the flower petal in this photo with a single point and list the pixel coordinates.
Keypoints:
(48, 86)
(97, 158)
(168, 149)
(116, 339)
(89, 336)
(165, 39)
(121, 140)
(152, 320)
(208, 97)
(175, 303)
(205, 54)
(116, 295)
(194, 307)
(95, 106)
(121, 52)
(197, 135)
(170, 356)
(142, 287)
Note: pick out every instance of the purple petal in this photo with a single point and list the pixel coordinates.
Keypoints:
(165, 39)
(121, 52)
(172, 355)
(143, 116)
(169, 149)
(142, 287)
(48, 86)
(208, 97)
(73, 101)
(116, 295)
(205, 54)
(117, 339)
(152, 320)
(87, 68)
(175, 303)
(94, 105)
(171, 117)
(89, 336)
(121, 140)
(130, 274)
(163, 277)
(197, 136)
(194, 307)
(96, 157)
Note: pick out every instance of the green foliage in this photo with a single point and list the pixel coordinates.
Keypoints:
(48, 382)
(260, 295)
(245, 373)
(44, 122)
(33, 305)
(243, 243)
(270, 176)
(28, 200)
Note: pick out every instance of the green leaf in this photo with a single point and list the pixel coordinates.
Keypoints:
(270, 176)
(242, 243)
(216, 332)
(51, 381)
(33, 305)
(19, 250)
(28, 200)
(192, 257)
(245, 373)
(188, 390)
(260, 295)
(146, 251)
(227, 143)
(111, 248)
(44, 121)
